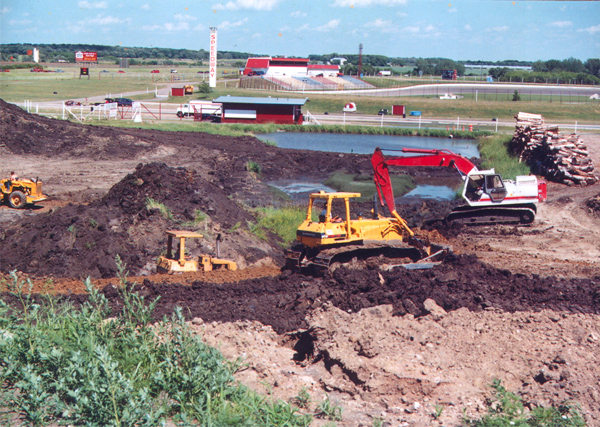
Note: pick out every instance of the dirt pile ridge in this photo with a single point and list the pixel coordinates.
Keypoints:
(83, 240)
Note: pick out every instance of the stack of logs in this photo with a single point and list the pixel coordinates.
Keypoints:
(560, 158)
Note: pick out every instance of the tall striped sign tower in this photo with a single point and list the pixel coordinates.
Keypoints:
(212, 78)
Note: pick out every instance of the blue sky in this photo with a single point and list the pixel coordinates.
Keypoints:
(476, 29)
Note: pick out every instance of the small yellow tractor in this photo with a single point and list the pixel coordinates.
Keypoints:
(177, 261)
(21, 192)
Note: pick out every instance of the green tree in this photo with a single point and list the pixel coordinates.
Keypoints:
(516, 96)
(204, 88)
(592, 66)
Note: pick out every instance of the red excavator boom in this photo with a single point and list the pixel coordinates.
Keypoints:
(381, 174)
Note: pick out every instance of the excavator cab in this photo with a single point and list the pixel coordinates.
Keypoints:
(495, 187)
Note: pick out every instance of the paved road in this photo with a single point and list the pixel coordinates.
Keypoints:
(479, 88)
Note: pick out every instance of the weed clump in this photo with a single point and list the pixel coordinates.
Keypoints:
(94, 367)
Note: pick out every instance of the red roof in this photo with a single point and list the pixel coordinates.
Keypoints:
(258, 62)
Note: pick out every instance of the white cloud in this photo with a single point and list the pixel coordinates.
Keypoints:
(247, 4)
(331, 25)
(19, 22)
(181, 17)
(498, 29)
(298, 14)
(412, 29)
(226, 25)
(591, 30)
(146, 7)
(452, 10)
(467, 27)
(84, 4)
(402, 14)
(5, 10)
(379, 23)
(429, 28)
(360, 3)
(560, 24)
(168, 27)
(108, 20)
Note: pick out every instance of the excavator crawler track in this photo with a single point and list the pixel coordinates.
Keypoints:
(517, 214)
(320, 261)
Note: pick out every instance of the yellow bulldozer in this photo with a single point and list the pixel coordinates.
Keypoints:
(331, 241)
(21, 192)
(189, 89)
(177, 261)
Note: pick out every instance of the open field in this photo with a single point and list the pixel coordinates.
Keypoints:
(21, 85)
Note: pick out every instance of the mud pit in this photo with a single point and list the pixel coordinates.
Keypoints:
(516, 303)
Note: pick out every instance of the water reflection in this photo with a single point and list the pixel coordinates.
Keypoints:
(366, 144)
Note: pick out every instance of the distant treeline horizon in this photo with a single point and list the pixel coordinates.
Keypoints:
(370, 63)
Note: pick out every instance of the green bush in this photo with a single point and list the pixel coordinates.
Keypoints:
(281, 221)
(494, 154)
(90, 366)
(507, 410)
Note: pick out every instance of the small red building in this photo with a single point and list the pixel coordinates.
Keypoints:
(177, 91)
(243, 109)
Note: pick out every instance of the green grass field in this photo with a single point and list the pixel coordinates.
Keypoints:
(21, 85)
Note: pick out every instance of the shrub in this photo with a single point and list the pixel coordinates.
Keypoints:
(154, 204)
(90, 366)
(507, 410)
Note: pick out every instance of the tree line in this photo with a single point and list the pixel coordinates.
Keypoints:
(563, 70)
(66, 52)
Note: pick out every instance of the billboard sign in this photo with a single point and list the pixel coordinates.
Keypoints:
(212, 65)
(86, 56)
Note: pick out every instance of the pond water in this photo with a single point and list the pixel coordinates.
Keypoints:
(366, 144)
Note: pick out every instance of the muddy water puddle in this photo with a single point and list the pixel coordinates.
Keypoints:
(366, 144)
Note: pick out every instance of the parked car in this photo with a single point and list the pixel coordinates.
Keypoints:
(120, 71)
(173, 71)
(109, 100)
(154, 72)
(124, 102)
(104, 71)
(59, 71)
(383, 112)
(71, 102)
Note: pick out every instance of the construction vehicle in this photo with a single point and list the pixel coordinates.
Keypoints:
(325, 242)
(177, 261)
(489, 198)
(21, 192)
(188, 89)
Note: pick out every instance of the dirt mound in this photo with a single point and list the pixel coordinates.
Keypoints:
(82, 240)
(593, 203)
(283, 302)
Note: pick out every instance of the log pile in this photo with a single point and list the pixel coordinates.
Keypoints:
(559, 158)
